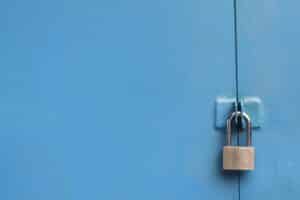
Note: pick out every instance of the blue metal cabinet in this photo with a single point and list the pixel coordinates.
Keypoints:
(269, 67)
(114, 99)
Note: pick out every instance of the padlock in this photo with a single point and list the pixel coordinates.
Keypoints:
(238, 157)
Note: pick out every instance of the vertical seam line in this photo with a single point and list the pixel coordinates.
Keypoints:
(236, 56)
(236, 62)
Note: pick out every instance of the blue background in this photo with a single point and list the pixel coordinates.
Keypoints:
(269, 68)
(115, 99)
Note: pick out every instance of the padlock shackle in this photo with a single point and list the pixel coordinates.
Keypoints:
(246, 117)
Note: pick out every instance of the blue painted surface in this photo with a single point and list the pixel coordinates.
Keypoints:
(114, 99)
(253, 106)
(269, 68)
(223, 108)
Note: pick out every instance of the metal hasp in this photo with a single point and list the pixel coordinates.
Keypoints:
(226, 105)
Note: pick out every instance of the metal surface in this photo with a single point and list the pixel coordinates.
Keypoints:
(269, 68)
(229, 121)
(251, 105)
(238, 157)
(114, 99)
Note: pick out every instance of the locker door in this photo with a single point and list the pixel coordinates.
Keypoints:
(269, 68)
(114, 99)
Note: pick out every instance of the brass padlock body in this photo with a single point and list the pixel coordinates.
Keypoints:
(238, 158)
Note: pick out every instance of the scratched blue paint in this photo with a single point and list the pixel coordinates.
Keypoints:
(269, 68)
(114, 99)
(253, 106)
